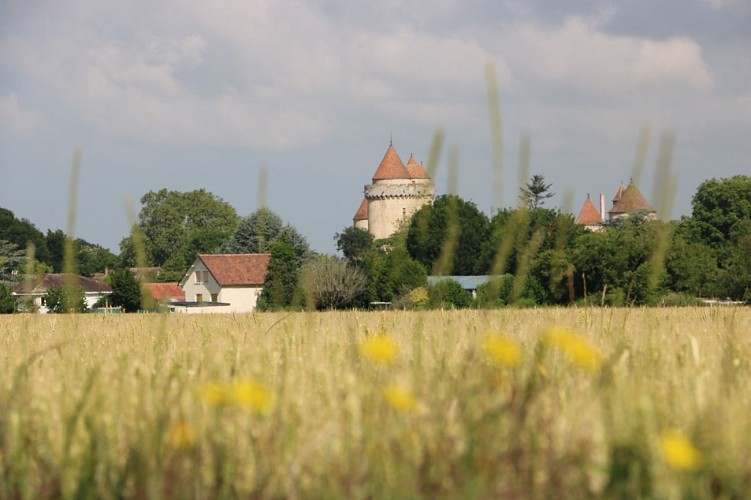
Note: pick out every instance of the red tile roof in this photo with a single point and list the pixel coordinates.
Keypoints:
(60, 279)
(362, 212)
(589, 216)
(630, 200)
(391, 167)
(166, 292)
(237, 269)
(416, 170)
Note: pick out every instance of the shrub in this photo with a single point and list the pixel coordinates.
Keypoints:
(448, 294)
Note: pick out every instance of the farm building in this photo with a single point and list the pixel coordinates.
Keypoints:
(223, 282)
(35, 291)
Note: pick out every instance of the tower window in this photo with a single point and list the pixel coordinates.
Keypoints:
(404, 212)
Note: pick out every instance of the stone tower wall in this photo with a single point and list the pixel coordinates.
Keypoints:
(392, 201)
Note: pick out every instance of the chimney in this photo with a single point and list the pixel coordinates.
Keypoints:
(602, 206)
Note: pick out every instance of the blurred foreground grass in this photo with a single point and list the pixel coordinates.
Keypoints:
(565, 403)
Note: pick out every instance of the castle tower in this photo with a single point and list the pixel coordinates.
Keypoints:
(397, 191)
(629, 200)
(589, 217)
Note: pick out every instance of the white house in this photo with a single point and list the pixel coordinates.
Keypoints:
(224, 282)
(93, 290)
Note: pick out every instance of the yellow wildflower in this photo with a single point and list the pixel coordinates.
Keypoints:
(245, 393)
(502, 350)
(181, 434)
(379, 348)
(399, 398)
(252, 395)
(578, 351)
(679, 452)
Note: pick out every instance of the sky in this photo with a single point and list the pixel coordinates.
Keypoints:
(188, 94)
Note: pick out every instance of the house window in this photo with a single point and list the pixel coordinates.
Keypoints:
(198, 276)
(205, 276)
(214, 297)
(199, 297)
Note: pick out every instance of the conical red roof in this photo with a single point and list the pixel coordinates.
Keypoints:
(362, 212)
(391, 167)
(619, 193)
(589, 216)
(631, 200)
(416, 170)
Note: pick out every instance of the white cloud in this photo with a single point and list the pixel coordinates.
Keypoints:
(719, 4)
(285, 75)
(14, 119)
(579, 55)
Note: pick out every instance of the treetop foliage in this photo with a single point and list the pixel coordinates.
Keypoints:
(257, 232)
(534, 193)
(178, 225)
(451, 221)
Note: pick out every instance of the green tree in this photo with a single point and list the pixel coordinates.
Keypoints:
(692, 268)
(126, 291)
(737, 261)
(7, 301)
(391, 273)
(497, 293)
(90, 258)
(21, 232)
(65, 299)
(354, 242)
(258, 231)
(534, 193)
(448, 293)
(55, 241)
(431, 231)
(12, 261)
(177, 226)
(131, 246)
(617, 262)
(281, 278)
(719, 206)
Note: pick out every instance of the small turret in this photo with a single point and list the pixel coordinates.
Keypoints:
(360, 219)
(589, 216)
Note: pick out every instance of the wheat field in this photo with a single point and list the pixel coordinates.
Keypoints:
(566, 403)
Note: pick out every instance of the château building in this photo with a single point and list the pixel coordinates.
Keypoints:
(397, 192)
(627, 200)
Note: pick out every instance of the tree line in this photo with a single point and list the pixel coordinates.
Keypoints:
(539, 256)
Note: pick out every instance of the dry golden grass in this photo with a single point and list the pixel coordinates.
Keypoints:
(270, 405)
